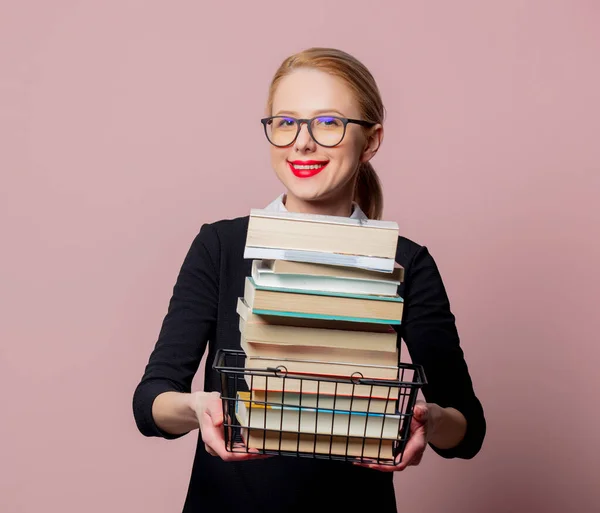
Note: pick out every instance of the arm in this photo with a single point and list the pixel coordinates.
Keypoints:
(450, 426)
(174, 412)
(162, 403)
(452, 421)
(430, 333)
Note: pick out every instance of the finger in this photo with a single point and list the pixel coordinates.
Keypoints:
(214, 439)
(375, 466)
(419, 419)
(214, 410)
(413, 451)
(236, 456)
(421, 412)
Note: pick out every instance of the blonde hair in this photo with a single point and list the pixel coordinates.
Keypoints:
(367, 192)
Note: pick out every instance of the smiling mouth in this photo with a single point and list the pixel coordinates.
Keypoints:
(307, 169)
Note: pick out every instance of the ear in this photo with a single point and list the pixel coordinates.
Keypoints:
(374, 138)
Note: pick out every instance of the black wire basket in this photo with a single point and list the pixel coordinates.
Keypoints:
(350, 418)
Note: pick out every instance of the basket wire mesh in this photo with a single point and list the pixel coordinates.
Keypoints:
(350, 418)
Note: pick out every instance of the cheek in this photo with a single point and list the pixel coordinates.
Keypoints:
(278, 155)
(345, 157)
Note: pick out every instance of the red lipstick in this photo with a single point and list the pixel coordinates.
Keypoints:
(316, 167)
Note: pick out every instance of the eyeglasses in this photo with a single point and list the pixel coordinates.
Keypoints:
(326, 131)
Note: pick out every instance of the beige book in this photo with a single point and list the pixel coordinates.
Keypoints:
(317, 386)
(277, 329)
(319, 353)
(290, 335)
(329, 234)
(317, 444)
(338, 271)
(333, 402)
(315, 421)
(321, 368)
(387, 310)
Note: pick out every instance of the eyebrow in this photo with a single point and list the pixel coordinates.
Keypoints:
(315, 113)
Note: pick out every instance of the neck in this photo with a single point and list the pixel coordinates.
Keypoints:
(341, 207)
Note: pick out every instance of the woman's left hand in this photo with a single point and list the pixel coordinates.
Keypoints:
(421, 429)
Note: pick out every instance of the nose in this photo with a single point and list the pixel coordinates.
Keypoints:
(304, 141)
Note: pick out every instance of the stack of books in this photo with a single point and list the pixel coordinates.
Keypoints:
(320, 303)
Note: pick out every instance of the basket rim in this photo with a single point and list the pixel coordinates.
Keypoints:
(219, 365)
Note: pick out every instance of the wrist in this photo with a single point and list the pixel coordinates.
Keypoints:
(192, 403)
(436, 419)
(448, 426)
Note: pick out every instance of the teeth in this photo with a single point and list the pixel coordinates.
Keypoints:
(312, 166)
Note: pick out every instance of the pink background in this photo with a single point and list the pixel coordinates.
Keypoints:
(117, 127)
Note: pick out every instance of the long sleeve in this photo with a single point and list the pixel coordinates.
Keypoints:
(189, 323)
(430, 333)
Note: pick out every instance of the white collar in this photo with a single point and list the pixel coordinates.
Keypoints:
(277, 206)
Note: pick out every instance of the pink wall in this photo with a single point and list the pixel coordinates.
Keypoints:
(114, 151)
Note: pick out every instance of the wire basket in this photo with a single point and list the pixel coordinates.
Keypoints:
(350, 418)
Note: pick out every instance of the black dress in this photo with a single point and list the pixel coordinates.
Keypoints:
(202, 311)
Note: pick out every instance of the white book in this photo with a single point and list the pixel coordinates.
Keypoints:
(331, 240)
(331, 402)
(316, 421)
(264, 275)
(324, 219)
(384, 265)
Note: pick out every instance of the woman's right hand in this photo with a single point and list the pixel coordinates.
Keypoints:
(209, 411)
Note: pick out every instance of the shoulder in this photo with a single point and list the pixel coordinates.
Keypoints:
(410, 253)
(221, 232)
(227, 228)
(422, 277)
(419, 265)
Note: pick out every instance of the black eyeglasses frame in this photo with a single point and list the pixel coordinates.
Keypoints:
(308, 122)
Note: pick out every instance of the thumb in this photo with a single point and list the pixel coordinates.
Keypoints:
(215, 410)
(421, 412)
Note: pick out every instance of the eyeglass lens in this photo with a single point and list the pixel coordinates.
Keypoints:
(326, 130)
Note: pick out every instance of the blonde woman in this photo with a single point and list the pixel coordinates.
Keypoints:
(332, 112)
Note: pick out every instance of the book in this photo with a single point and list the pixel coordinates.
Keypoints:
(317, 367)
(385, 265)
(278, 328)
(263, 274)
(333, 402)
(275, 334)
(337, 271)
(333, 240)
(319, 353)
(270, 382)
(280, 441)
(317, 315)
(318, 421)
(317, 304)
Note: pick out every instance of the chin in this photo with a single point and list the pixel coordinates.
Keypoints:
(306, 191)
(317, 188)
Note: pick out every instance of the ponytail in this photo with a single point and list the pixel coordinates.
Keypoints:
(367, 192)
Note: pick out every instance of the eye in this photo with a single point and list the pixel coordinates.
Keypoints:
(285, 122)
(328, 122)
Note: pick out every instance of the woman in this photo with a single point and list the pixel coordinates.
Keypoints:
(324, 166)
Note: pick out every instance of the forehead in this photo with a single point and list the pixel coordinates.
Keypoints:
(307, 91)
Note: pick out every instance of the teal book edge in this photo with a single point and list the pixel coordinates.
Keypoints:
(324, 317)
(327, 410)
(394, 299)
